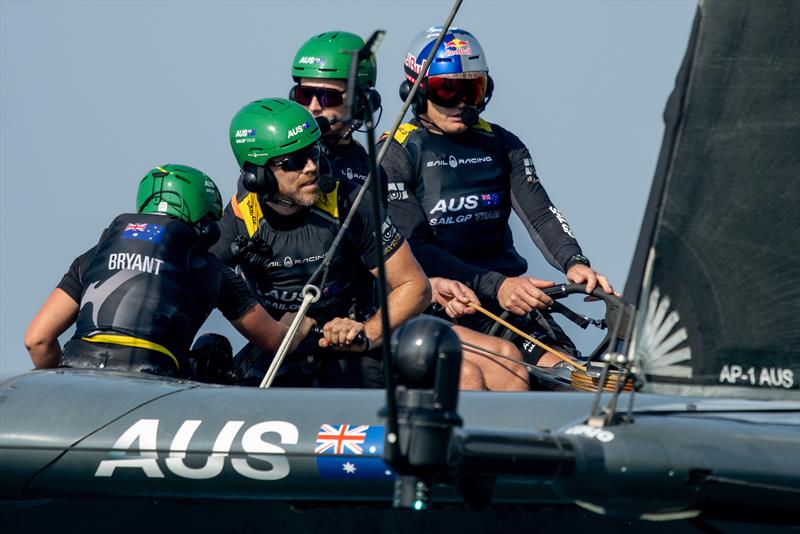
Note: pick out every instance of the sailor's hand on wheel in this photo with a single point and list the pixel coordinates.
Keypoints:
(582, 274)
(341, 333)
(523, 294)
(453, 296)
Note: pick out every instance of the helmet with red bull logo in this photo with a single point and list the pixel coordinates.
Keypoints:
(458, 52)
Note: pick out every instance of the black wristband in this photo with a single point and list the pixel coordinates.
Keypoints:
(577, 259)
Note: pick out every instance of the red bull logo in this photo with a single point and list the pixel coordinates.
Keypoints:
(457, 47)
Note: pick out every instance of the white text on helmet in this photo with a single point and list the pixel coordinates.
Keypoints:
(411, 63)
(311, 60)
(297, 129)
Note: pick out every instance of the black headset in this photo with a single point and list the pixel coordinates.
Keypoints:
(258, 179)
(420, 104)
(208, 231)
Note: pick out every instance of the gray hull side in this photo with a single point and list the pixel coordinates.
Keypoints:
(182, 439)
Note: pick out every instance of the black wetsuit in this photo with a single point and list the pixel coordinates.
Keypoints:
(279, 253)
(144, 291)
(452, 195)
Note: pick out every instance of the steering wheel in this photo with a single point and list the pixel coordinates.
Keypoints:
(617, 318)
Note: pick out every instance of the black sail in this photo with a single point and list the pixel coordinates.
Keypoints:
(716, 273)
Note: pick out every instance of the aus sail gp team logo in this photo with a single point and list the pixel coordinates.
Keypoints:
(661, 349)
(351, 451)
(245, 136)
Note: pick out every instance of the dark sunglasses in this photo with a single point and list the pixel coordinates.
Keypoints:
(449, 92)
(296, 161)
(327, 98)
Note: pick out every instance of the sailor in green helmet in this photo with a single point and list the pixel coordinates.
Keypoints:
(140, 295)
(320, 70)
(278, 228)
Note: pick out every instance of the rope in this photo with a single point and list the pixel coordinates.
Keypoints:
(533, 340)
(581, 380)
(497, 355)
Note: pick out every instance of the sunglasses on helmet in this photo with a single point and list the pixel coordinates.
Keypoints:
(327, 98)
(296, 161)
(449, 92)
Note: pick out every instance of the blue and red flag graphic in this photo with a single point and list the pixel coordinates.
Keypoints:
(490, 199)
(351, 451)
(144, 232)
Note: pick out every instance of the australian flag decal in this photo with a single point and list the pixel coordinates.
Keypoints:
(490, 199)
(144, 232)
(351, 451)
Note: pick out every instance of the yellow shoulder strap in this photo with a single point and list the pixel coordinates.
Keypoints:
(327, 202)
(249, 210)
(402, 132)
(483, 125)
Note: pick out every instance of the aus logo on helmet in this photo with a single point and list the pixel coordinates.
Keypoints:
(245, 136)
(297, 130)
(311, 60)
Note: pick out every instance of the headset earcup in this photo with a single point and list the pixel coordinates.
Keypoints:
(249, 181)
(258, 179)
(367, 95)
(292, 92)
(420, 103)
(209, 232)
(404, 90)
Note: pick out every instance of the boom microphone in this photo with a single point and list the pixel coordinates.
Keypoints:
(469, 116)
(325, 123)
(327, 183)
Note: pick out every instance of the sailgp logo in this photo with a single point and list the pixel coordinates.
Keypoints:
(563, 221)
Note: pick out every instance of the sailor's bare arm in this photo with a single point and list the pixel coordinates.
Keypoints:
(57, 313)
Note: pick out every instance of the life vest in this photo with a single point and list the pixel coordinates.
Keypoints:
(150, 284)
(462, 184)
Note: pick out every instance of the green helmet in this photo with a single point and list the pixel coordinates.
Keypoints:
(180, 191)
(269, 128)
(325, 56)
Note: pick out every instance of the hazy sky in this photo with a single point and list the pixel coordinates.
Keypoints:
(94, 94)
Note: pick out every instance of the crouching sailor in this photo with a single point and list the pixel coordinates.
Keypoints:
(140, 295)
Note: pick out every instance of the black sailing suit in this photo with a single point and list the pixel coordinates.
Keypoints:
(278, 254)
(451, 196)
(144, 291)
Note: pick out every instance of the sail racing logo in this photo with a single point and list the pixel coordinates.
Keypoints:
(351, 451)
(137, 450)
